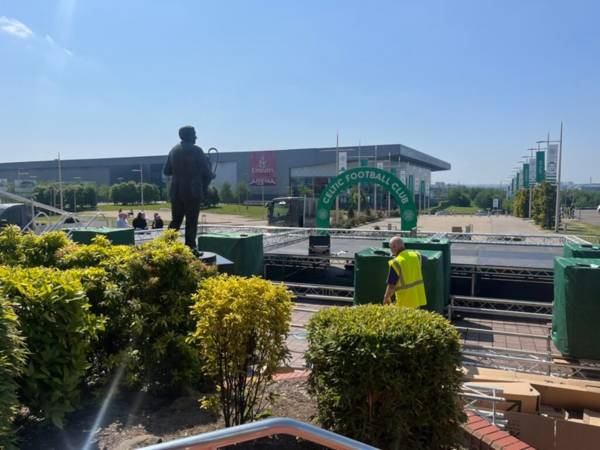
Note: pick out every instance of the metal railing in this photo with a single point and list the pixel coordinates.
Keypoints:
(264, 428)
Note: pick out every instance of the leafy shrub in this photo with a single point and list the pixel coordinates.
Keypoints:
(42, 250)
(12, 364)
(162, 277)
(388, 376)
(58, 327)
(10, 245)
(241, 329)
(28, 249)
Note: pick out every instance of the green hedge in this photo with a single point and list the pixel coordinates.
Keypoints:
(162, 278)
(12, 364)
(86, 309)
(58, 327)
(28, 249)
(388, 376)
(104, 276)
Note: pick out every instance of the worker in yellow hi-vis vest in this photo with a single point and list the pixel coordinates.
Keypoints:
(405, 278)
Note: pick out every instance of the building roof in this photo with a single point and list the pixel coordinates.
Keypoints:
(317, 155)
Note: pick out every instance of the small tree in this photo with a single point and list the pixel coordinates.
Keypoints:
(242, 192)
(151, 193)
(521, 203)
(226, 193)
(125, 193)
(212, 197)
(242, 324)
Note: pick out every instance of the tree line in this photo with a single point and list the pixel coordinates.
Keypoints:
(463, 196)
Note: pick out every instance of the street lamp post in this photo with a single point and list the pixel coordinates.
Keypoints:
(75, 195)
(60, 185)
(141, 171)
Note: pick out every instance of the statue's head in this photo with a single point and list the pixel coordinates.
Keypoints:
(187, 134)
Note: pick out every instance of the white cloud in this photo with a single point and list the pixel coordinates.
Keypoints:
(15, 28)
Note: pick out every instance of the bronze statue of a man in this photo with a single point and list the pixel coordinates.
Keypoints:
(191, 174)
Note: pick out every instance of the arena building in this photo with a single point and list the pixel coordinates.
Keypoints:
(268, 174)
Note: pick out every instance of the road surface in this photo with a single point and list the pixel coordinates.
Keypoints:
(479, 224)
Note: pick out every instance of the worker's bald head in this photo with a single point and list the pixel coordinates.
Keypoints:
(396, 245)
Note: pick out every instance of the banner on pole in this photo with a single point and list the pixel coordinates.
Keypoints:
(551, 162)
(525, 175)
(380, 165)
(364, 163)
(495, 203)
(532, 173)
(411, 184)
(540, 167)
(422, 188)
(343, 161)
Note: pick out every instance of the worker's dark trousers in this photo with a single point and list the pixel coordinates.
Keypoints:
(188, 208)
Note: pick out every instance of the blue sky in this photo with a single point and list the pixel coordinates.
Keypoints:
(472, 82)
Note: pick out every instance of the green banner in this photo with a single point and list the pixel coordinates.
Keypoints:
(364, 163)
(540, 167)
(422, 188)
(393, 170)
(350, 178)
(525, 175)
(411, 184)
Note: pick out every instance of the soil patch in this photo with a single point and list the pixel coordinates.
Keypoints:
(137, 420)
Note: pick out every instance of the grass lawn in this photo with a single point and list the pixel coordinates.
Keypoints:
(462, 209)
(584, 230)
(148, 206)
(251, 211)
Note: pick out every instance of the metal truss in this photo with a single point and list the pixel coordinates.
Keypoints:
(473, 396)
(503, 307)
(305, 261)
(503, 272)
(328, 293)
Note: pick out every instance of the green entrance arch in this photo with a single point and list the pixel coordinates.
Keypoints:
(350, 178)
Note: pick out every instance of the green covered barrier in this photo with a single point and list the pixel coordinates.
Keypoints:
(432, 243)
(371, 270)
(117, 236)
(244, 249)
(572, 250)
(576, 312)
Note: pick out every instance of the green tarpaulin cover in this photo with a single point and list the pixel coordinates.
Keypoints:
(571, 250)
(371, 271)
(576, 315)
(244, 249)
(432, 243)
(118, 236)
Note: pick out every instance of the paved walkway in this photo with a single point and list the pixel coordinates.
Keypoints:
(480, 224)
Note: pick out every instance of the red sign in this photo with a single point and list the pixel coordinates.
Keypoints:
(263, 168)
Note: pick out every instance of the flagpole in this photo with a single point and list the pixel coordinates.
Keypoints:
(337, 172)
(557, 218)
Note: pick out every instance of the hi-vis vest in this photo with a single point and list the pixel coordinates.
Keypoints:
(410, 290)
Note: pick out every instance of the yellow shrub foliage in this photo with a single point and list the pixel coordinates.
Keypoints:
(241, 328)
